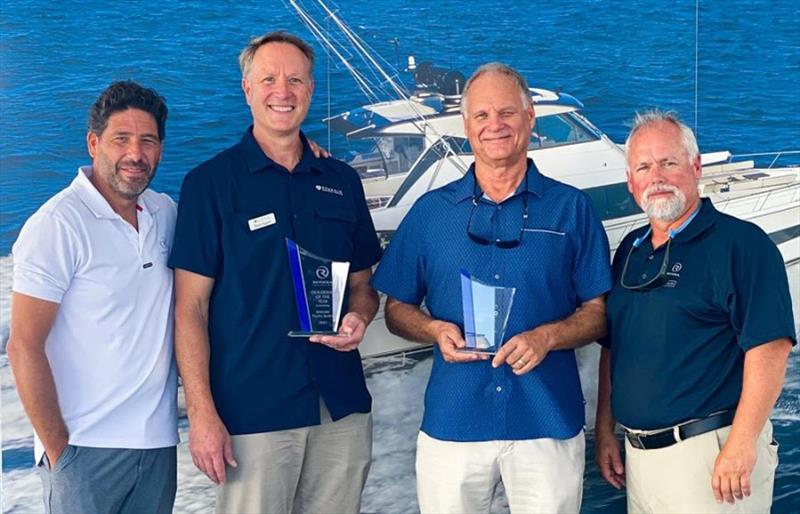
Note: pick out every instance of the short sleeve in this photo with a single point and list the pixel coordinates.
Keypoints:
(367, 248)
(757, 273)
(195, 247)
(591, 273)
(45, 257)
(400, 273)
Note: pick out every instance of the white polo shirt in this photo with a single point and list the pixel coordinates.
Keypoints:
(111, 345)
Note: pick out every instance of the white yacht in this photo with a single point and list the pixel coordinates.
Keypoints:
(419, 145)
(415, 142)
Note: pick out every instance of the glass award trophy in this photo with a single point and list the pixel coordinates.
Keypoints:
(319, 286)
(486, 309)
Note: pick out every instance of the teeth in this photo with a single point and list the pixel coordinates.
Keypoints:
(281, 108)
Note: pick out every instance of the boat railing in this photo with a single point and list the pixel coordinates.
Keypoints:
(775, 156)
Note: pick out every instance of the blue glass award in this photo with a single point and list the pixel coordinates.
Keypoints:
(319, 286)
(486, 309)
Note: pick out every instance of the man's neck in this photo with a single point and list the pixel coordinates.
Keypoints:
(125, 207)
(500, 182)
(661, 229)
(284, 149)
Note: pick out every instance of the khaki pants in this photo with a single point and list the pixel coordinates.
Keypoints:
(319, 469)
(677, 479)
(539, 475)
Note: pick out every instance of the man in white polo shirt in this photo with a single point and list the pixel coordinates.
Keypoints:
(91, 343)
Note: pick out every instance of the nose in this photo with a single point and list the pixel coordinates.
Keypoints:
(657, 173)
(282, 86)
(493, 121)
(134, 149)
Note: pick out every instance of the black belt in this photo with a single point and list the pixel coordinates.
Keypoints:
(666, 437)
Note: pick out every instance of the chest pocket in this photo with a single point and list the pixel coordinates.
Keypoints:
(335, 227)
(546, 251)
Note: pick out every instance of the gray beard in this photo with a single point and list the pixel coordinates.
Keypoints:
(665, 209)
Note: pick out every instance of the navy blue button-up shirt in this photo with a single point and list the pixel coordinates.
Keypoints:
(562, 261)
(677, 351)
(261, 379)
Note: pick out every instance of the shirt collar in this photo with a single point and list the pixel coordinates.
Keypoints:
(701, 221)
(96, 203)
(465, 188)
(257, 160)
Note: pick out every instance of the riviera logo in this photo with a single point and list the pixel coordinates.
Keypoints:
(326, 189)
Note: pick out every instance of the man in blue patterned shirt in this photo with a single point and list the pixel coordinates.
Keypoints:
(519, 418)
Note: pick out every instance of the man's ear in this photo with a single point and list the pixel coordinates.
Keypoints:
(91, 144)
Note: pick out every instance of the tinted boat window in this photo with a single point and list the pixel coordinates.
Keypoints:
(612, 201)
(559, 130)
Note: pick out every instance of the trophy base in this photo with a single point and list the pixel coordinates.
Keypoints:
(488, 351)
(300, 333)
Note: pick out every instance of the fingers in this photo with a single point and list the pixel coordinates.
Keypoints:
(745, 481)
(211, 447)
(450, 342)
(205, 463)
(504, 352)
(317, 150)
(217, 468)
(730, 480)
(609, 460)
(520, 354)
(351, 333)
(716, 486)
(227, 452)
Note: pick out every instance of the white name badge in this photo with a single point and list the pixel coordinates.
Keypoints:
(261, 222)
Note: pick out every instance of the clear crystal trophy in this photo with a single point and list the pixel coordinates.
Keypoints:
(486, 309)
(319, 286)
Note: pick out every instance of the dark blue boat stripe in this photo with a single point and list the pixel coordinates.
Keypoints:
(781, 236)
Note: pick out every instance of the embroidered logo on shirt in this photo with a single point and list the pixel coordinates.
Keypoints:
(675, 273)
(326, 189)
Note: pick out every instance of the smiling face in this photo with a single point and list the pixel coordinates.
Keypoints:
(497, 123)
(661, 177)
(278, 89)
(125, 155)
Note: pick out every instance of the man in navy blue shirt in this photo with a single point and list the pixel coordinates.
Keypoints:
(288, 417)
(700, 328)
(519, 417)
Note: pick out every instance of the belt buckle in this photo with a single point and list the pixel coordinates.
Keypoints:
(636, 440)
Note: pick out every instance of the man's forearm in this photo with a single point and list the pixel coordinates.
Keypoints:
(409, 322)
(585, 325)
(364, 301)
(192, 353)
(37, 392)
(764, 371)
(604, 420)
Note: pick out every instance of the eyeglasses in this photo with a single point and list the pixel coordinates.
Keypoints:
(655, 282)
(660, 279)
(500, 243)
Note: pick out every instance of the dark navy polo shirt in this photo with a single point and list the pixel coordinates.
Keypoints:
(677, 352)
(562, 261)
(261, 379)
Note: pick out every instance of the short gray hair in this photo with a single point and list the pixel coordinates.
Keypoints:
(502, 69)
(655, 116)
(246, 57)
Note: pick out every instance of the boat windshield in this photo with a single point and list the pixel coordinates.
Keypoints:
(385, 156)
(559, 130)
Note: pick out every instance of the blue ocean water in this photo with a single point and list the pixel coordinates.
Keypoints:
(616, 57)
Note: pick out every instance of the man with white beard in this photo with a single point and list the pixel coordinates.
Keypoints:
(695, 356)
